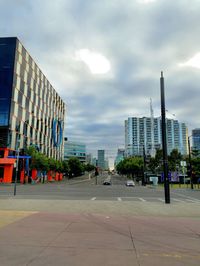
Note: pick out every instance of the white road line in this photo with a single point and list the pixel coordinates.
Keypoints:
(161, 199)
(196, 201)
(143, 200)
(93, 198)
(188, 197)
(119, 199)
(178, 200)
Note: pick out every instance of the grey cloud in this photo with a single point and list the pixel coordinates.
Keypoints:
(139, 40)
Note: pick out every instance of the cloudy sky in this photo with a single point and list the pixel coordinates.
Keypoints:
(104, 57)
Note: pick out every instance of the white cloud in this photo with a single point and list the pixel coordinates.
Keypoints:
(97, 63)
(146, 1)
(193, 62)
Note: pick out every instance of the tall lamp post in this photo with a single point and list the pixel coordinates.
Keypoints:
(144, 162)
(164, 141)
(17, 165)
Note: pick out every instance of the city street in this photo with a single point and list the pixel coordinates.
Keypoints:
(85, 189)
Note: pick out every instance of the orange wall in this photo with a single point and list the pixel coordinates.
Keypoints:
(8, 171)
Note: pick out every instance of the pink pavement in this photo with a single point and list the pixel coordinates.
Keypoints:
(45, 239)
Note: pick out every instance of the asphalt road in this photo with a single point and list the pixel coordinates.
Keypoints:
(89, 190)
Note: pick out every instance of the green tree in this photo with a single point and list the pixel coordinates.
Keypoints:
(88, 167)
(174, 160)
(75, 167)
(65, 168)
(195, 153)
(155, 163)
(196, 167)
(131, 166)
(38, 160)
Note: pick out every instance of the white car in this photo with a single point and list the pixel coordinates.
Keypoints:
(130, 183)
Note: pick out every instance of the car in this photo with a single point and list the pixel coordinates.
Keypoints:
(130, 183)
(107, 182)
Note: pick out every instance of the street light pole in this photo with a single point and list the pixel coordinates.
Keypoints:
(190, 164)
(17, 163)
(164, 141)
(144, 161)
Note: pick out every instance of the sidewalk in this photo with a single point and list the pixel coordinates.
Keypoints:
(73, 233)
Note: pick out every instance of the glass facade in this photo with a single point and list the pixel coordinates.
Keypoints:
(34, 112)
(7, 56)
(101, 159)
(75, 149)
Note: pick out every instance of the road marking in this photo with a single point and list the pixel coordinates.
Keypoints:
(188, 197)
(178, 200)
(119, 199)
(190, 200)
(143, 200)
(93, 198)
(161, 199)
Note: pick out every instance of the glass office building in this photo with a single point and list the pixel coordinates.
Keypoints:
(31, 111)
(75, 149)
(101, 159)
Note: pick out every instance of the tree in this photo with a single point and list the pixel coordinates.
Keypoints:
(195, 168)
(75, 167)
(130, 166)
(174, 160)
(65, 167)
(38, 160)
(155, 163)
(195, 152)
(88, 167)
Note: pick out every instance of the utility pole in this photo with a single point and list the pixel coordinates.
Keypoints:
(164, 141)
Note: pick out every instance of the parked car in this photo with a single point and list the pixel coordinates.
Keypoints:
(130, 183)
(107, 182)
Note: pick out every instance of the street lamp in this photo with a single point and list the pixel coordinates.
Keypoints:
(164, 141)
(17, 163)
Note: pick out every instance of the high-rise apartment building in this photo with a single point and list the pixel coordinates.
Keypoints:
(101, 159)
(196, 139)
(31, 111)
(138, 135)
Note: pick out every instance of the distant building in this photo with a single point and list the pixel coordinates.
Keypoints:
(138, 135)
(120, 156)
(196, 139)
(106, 164)
(75, 149)
(89, 158)
(101, 159)
(94, 161)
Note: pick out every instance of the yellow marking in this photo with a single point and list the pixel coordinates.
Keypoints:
(171, 255)
(8, 217)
